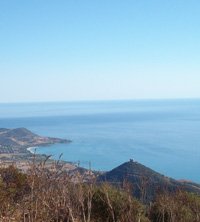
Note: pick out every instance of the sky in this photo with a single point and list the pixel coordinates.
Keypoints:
(67, 50)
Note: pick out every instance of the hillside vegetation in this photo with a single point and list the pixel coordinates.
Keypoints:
(54, 196)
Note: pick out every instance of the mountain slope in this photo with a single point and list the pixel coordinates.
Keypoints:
(145, 181)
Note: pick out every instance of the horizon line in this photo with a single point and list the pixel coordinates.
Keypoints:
(99, 100)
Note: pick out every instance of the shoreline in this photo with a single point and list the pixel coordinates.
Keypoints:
(32, 149)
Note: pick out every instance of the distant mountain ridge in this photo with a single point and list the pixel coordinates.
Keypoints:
(145, 181)
(20, 138)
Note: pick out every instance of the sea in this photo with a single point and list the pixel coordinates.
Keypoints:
(161, 134)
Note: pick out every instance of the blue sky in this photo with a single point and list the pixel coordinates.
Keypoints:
(99, 49)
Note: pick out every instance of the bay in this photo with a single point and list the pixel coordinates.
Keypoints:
(161, 134)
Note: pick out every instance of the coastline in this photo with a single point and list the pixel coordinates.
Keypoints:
(32, 149)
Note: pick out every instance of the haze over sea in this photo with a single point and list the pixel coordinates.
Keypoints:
(161, 134)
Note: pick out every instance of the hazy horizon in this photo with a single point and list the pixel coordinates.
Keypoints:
(101, 100)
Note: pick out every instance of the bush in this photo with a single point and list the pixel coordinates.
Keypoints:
(181, 207)
(54, 196)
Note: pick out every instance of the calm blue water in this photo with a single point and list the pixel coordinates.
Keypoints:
(164, 135)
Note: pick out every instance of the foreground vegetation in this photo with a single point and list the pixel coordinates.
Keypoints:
(54, 196)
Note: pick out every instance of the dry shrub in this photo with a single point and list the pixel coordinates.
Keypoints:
(52, 195)
(180, 206)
